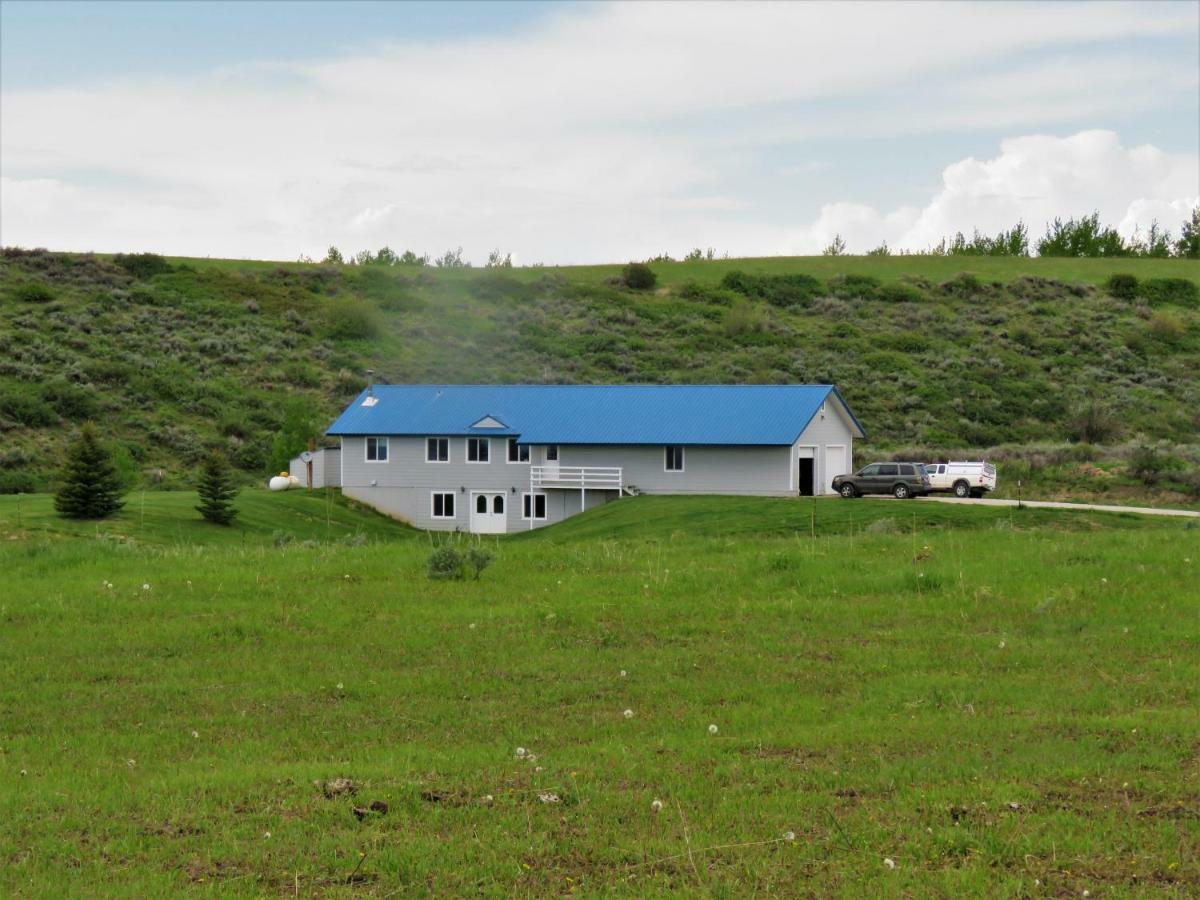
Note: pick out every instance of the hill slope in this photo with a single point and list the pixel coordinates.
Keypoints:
(174, 356)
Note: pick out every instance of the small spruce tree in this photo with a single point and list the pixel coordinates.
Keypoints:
(91, 485)
(216, 491)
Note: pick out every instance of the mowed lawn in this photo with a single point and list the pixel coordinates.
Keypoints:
(957, 702)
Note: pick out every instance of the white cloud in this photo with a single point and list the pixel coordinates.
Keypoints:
(606, 133)
(1033, 179)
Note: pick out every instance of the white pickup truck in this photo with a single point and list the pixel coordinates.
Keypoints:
(963, 479)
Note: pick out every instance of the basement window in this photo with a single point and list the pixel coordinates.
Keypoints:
(443, 505)
(533, 507)
(377, 449)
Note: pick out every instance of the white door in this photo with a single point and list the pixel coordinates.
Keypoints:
(489, 513)
(835, 464)
(550, 466)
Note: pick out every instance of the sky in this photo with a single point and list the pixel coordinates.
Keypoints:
(590, 132)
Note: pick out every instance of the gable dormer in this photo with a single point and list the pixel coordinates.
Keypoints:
(489, 422)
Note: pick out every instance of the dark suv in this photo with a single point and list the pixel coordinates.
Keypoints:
(901, 479)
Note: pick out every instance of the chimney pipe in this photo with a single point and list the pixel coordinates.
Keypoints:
(370, 382)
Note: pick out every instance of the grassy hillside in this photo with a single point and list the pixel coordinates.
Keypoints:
(169, 519)
(935, 354)
(1005, 709)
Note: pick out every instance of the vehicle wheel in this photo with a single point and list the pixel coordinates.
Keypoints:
(847, 491)
(901, 492)
(962, 489)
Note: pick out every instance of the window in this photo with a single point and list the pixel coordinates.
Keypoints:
(674, 459)
(552, 453)
(498, 504)
(377, 449)
(517, 453)
(481, 504)
(443, 505)
(437, 450)
(477, 450)
(907, 470)
(533, 506)
(887, 469)
(872, 469)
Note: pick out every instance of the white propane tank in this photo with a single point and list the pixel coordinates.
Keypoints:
(280, 482)
(293, 481)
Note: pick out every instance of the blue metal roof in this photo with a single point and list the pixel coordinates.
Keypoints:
(593, 413)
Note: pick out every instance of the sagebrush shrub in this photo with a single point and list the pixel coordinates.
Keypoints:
(1122, 286)
(1182, 291)
(445, 562)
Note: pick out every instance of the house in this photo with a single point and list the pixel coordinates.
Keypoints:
(503, 458)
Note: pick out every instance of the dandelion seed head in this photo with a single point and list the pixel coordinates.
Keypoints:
(889, 862)
(628, 714)
(789, 835)
(131, 763)
(521, 752)
(712, 729)
(145, 587)
(655, 805)
(267, 835)
(623, 673)
(340, 686)
(195, 734)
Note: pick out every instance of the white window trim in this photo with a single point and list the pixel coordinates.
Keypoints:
(682, 454)
(467, 451)
(533, 517)
(433, 515)
(546, 453)
(387, 445)
(437, 462)
(518, 462)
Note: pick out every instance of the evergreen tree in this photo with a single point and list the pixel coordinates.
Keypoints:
(91, 486)
(216, 491)
(1188, 245)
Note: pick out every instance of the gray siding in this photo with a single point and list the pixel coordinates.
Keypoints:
(706, 470)
(404, 484)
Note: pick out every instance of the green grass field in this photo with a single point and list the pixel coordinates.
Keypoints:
(999, 703)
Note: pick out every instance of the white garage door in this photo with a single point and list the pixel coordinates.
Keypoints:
(835, 464)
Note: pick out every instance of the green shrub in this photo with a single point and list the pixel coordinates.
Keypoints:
(900, 293)
(25, 406)
(1092, 423)
(32, 292)
(863, 287)
(71, 401)
(1181, 291)
(744, 317)
(638, 277)
(142, 265)
(477, 559)
(445, 562)
(1149, 465)
(964, 285)
(1121, 286)
(18, 482)
(350, 320)
(1166, 328)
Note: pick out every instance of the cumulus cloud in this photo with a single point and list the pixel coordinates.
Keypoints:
(607, 132)
(1032, 179)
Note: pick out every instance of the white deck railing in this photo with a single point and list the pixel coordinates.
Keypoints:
(578, 477)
